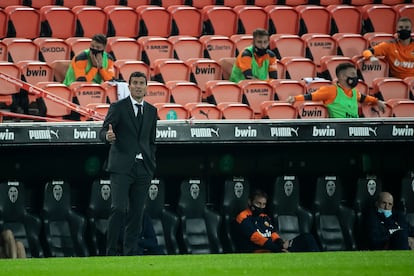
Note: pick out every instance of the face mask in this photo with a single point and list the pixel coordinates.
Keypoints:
(352, 81)
(95, 51)
(404, 34)
(260, 52)
(256, 210)
(387, 213)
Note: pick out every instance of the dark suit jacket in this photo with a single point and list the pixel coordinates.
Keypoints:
(123, 151)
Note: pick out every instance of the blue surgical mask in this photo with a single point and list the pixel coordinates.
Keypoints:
(387, 213)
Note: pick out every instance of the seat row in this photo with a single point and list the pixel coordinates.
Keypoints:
(143, 20)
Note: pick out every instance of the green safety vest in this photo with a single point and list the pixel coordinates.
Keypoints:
(260, 73)
(343, 106)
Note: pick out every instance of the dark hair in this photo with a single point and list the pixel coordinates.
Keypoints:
(100, 38)
(342, 67)
(260, 32)
(137, 74)
(405, 19)
(257, 193)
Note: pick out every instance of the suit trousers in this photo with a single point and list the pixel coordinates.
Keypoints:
(129, 193)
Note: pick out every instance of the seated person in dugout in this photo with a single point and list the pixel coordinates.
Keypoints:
(385, 228)
(342, 98)
(9, 247)
(258, 235)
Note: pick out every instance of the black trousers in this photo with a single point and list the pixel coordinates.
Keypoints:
(129, 193)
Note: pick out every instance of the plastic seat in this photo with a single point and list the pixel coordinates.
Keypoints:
(155, 47)
(124, 68)
(136, 3)
(283, 88)
(219, 20)
(217, 47)
(157, 92)
(372, 111)
(241, 41)
(379, 18)
(345, 19)
(223, 91)
(250, 18)
(203, 111)
(19, 49)
(311, 110)
(238, 111)
(105, 3)
(286, 45)
(123, 48)
(8, 89)
(72, 3)
(186, 20)
(407, 196)
(199, 225)
(26, 227)
(390, 89)
(226, 65)
(57, 22)
(63, 228)
(78, 44)
(350, 44)
(54, 109)
(183, 92)
(404, 10)
(185, 47)
(5, 3)
(90, 20)
(334, 221)
(291, 219)
(255, 92)
(297, 68)
(264, 3)
(171, 111)
(23, 22)
(51, 49)
(59, 68)
(203, 70)
(86, 93)
(278, 110)
(402, 108)
(235, 195)
(410, 82)
(122, 21)
(170, 69)
(314, 85)
(283, 19)
(3, 23)
(153, 21)
(314, 19)
(329, 64)
(199, 4)
(375, 38)
(165, 222)
(369, 71)
(317, 46)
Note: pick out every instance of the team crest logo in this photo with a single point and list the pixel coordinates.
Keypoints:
(194, 191)
(57, 192)
(371, 186)
(330, 188)
(153, 191)
(13, 194)
(238, 189)
(288, 188)
(105, 192)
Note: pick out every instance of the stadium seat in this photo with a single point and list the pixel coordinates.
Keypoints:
(169, 69)
(250, 17)
(402, 108)
(72, 3)
(19, 49)
(183, 92)
(329, 63)
(203, 70)
(389, 89)
(372, 111)
(37, 4)
(86, 93)
(5, 3)
(90, 20)
(165, 222)
(345, 19)
(26, 227)
(407, 196)
(367, 191)
(223, 91)
(8, 89)
(374, 38)
(124, 68)
(171, 111)
(57, 22)
(123, 48)
(315, 84)
(350, 44)
(122, 21)
(297, 68)
(216, 47)
(255, 92)
(334, 221)
(311, 110)
(153, 21)
(226, 65)
(294, 3)
(185, 47)
(291, 219)
(235, 195)
(63, 228)
(157, 92)
(186, 20)
(219, 20)
(199, 225)
(410, 82)
(136, 3)
(317, 46)
(314, 19)
(203, 111)
(283, 19)
(287, 45)
(54, 109)
(278, 110)
(264, 3)
(51, 49)
(78, 44)
(155, 47)
(23, 22)
(360, 3)
(238, 111)
(3, 24)
(379, 18)
(368, 71)
(241, 41)
(168, 3)
(59, 68)
(284, 88)
(105, 3)
(404, 10)
(233, 3)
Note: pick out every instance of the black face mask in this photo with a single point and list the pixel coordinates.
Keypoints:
(256, 211)
(95, 51)
(260, 52)
(404, 34)
(352, 81)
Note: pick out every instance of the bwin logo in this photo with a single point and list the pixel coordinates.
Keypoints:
(166, 133)
(249, 132)
(400, 131)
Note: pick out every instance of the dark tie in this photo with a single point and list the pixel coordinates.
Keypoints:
(139, 113)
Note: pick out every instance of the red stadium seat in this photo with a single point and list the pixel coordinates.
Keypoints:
(250, 18)
(405, 10)
(122, 21)
(3, 23)
(203, 70)
(345, 19)
(104, 3)
(255, 92)
(283, 19)
(23, 22)
(350, 44)
(72, 3)
(219, 20)
(370, 71)
(59, 68)
(390, 89)
(311, 110)
(185, 47)
(183, 92)
(186, 20)
(241, 41)
(278, 110)
(203, 111)
(379, 18)
(329, 64)
(410, 82)
(171, 111)
(86, 93)
(124, 68)
(297, 68)
(234, 3)
(264, 3)
(51, 49)
(402, 108)
(217, 47)
(123, 48)
(155, 47)
(78, 44)
(57, 22)
(154, 21)
(374, 38)
(284, 88)
(199, 4)
(7, 88)
(314, 85)
(169, 69)
(19, 49)
(90, 20)
(6, 3)
(157, 92)
(285, 45)
(317, 46)
(238, 111)
(54, 109)
(314, 19)
(223, 91)
(136, 3)
(372, 111)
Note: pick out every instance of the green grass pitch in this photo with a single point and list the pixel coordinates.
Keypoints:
(324, 263)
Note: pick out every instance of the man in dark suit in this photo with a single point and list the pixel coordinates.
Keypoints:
(130, 128)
